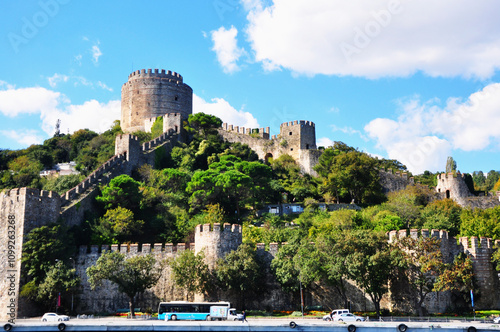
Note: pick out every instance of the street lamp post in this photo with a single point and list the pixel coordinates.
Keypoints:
(74, 267)
(301, 298)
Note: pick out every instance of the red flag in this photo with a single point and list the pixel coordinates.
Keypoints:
(59, 300)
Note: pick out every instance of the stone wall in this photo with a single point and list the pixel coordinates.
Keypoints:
(392, 182)
(150, 94)
(21, 210)
(451, 185)
(296, 138)
(214, 241)
(481, 250)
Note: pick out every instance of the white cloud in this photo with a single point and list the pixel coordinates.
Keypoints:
(348, 130)
(25, 137)
(53, 105)
(376, 38)
(104, 86)
(324, 142)
(78, 59)
(226, 48)
(424, 135)
(227, 113)
(28, 101)
(56, 78)
(91, 114)
(96, 53)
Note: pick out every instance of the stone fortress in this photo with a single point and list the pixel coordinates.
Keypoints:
(146, 96)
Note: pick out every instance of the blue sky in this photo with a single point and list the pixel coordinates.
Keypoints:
(416, 81)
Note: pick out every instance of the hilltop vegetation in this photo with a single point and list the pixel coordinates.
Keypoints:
(207, 180)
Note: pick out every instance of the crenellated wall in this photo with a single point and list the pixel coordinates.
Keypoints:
(451, 185)
(21, 210)
(215, 241)
(296, 138)
(480, 252)
(150, 94)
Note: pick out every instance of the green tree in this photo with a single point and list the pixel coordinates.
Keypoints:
(369, 262)
(479, 180)
(157, 128)
(385, 221)
(205, 123)
(118, 225)
(284, 268)
(350, 176)
(443, 215)
(334, 268)
(420, 265)
(132, 275)
(43, 247)
(457, 276)
(121, 191)
(61, 184)
(241, 273)
(191, 272)
(59, 280)
(451, 165)
(480, 223)
(232, 183)
(491, 179)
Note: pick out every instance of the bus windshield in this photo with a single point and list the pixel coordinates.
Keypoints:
(181, 310)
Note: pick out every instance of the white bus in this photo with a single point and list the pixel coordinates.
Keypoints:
(183, 310)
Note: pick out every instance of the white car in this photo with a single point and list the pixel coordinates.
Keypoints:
(348, 318)
(335, 313)
(53, 317)
(496, 320)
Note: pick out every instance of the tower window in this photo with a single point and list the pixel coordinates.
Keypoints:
(307, 146)
(291, 149)
(176, 98)
(290, 133)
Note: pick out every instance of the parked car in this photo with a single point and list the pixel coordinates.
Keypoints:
(348, 317)
(335, 313)
(496, 320)
(53, 317)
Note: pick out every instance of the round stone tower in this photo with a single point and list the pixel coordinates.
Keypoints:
(149, 94)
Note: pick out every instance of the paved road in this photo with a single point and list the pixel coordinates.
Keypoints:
(258, 325)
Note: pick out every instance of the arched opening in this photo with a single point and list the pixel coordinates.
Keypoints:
(447, 194)
(268, 158)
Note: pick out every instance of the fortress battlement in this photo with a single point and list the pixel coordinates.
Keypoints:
(134, 248)
(201, 230)
(261, 132)
(479, 243)
(162, 74)
(415, 233)
(33, 193)
(450, 175)
(94, 177)
(298, 122)
(129, 136)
